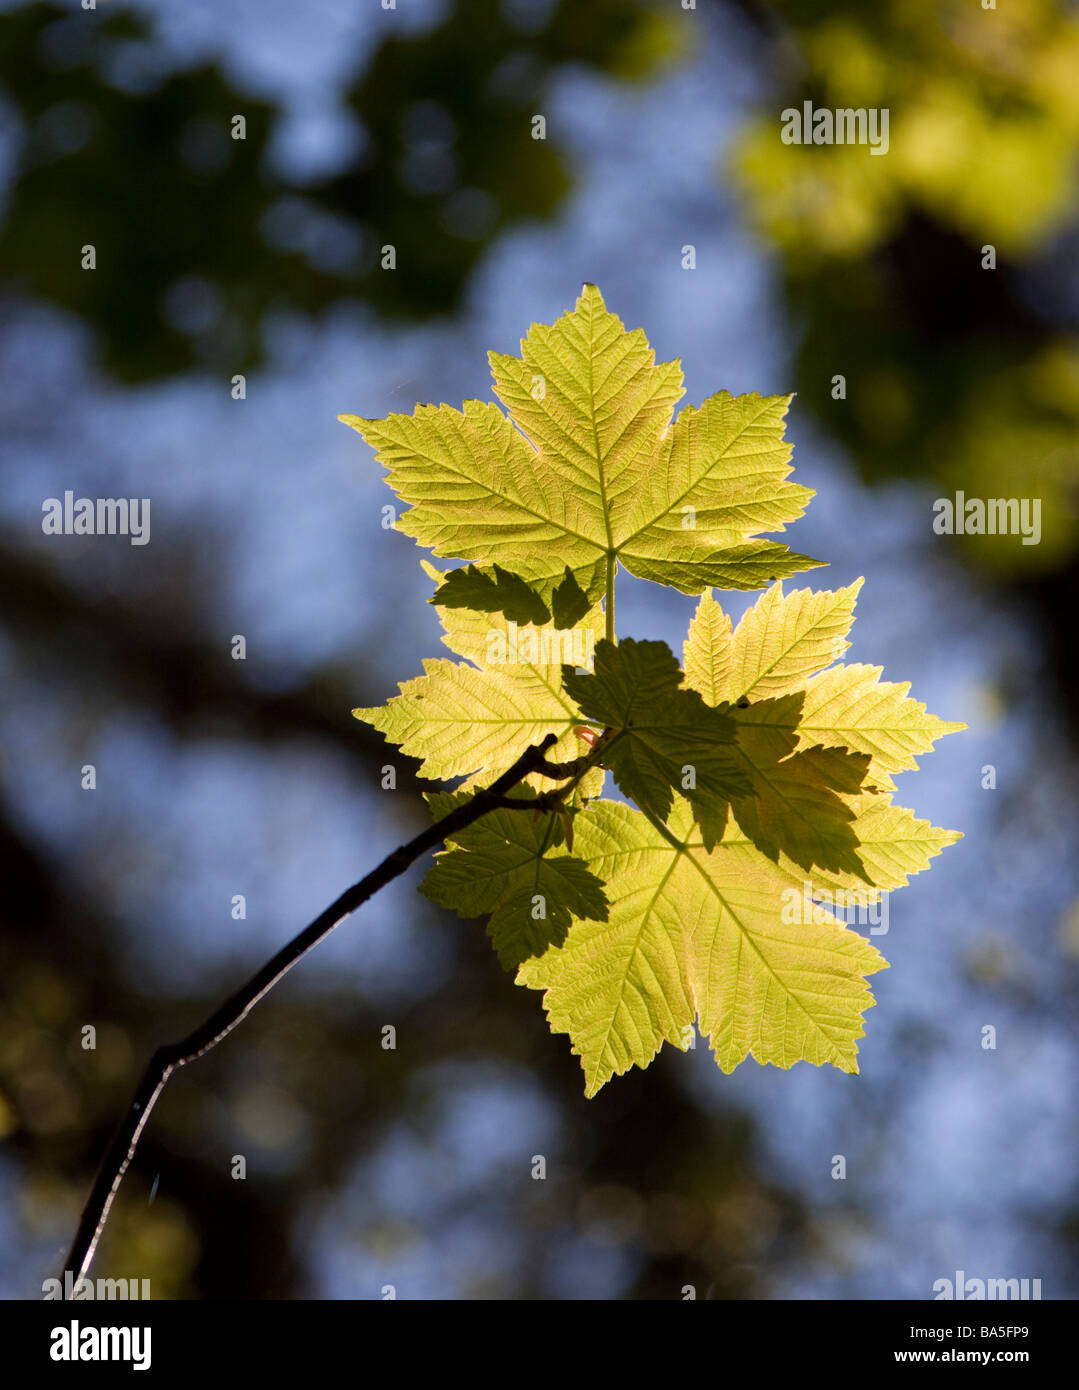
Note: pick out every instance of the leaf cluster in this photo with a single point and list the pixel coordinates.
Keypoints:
(756, 778)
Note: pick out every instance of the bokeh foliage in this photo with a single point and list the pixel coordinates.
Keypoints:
(964, 376)
(200, 236)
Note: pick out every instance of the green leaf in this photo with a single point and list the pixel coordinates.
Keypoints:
(692, 934)
(798, 805)
(780, 641)
(708, 651)
(701, 922)
(721, 479)
(893, 845)
(506, 865)
(588, 469)
(497, 591)
(666, 738)
(851, 707)
(824, 739)
(475, 717)
(764, 773)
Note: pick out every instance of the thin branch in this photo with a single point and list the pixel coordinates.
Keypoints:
(568, 769)
(235, 1009)
(546, 801)
(577, 767)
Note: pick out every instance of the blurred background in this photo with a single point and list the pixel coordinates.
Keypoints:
(765, 267)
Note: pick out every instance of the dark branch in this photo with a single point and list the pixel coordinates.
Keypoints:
(546, 801)
(576, 767)
(236, 1008)
(569, 769)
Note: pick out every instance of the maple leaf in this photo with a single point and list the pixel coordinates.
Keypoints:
(693, 934)
(893, 845)
(588, 471)
(851, 707)
(782, 639)
(798, 799)
(699, 925)
(764, 772)
(473, 717)
(816, 739)
(661, 732)
(507, 865)
(778, 645)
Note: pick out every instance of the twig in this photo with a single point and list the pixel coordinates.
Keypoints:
(236, 1008)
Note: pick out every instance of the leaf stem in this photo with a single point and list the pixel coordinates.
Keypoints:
(608, 606)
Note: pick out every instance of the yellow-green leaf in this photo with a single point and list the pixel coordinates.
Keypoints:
(587, 471)
(692, 934)
(664, 737)
(474, 718)
(514, 865)
(780, 641)
(851, 707)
